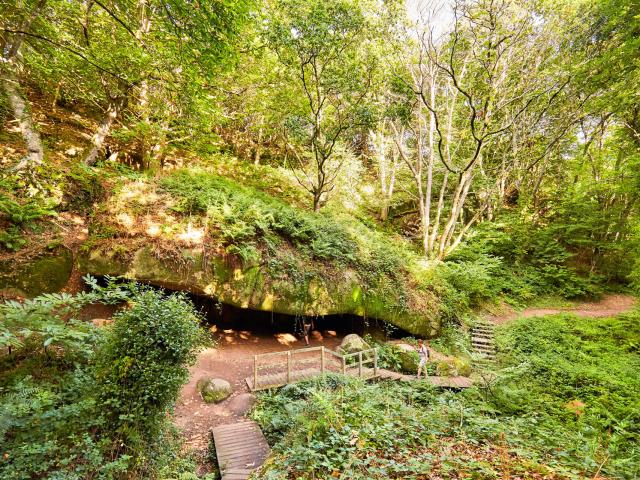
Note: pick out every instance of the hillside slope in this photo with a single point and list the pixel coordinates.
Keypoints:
(214, 226)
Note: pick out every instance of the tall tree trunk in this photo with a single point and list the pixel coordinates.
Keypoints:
(459, 199)
(258, 152)
(113, 109)
(35, 153)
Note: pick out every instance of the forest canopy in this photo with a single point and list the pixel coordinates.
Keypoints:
(456, 115)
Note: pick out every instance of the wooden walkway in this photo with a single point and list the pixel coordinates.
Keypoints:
(240, 449)
(444, 382)
(276, 369)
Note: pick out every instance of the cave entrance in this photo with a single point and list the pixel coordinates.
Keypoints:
(234, 325)
(227, 320)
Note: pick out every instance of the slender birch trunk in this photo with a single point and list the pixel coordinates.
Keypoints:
(103, 130)
(35, 153)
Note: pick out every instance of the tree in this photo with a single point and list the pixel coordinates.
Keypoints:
(473, 86)
(324, 47)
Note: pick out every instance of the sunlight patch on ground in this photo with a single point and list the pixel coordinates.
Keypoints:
(192, 235)
(125, 220)
(153, 229)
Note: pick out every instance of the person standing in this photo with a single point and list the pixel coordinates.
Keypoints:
(423, 354)
(307, 326)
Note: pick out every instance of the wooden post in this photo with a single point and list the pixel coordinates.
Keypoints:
(289, 366)
(375, 362)
(360, 364)
(322, 360)
(344, 366)
(255, 372)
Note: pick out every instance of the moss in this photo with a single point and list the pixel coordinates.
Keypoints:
(46, 274)
(259, 288)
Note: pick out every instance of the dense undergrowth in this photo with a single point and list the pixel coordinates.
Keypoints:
(78, 402)
(562, 405)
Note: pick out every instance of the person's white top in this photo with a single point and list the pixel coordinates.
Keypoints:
(423, 352)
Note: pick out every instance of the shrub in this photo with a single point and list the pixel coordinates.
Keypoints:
(141, 367)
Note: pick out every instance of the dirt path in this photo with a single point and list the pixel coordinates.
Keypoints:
(232, 360)
(608, 306)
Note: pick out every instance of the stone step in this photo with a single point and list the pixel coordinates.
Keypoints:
(483, 349)
(483, 329)
(484, 340)
(482, 332)
(485, 324)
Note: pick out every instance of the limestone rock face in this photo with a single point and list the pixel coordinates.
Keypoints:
(258, 288)
(353, 343)
(214, 390)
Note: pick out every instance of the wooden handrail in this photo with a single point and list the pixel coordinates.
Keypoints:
(292, 366)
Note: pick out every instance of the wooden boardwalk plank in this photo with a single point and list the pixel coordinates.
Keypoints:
(240, 448)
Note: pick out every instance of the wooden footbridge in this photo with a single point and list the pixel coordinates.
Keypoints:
(241, 447)
(276, 369)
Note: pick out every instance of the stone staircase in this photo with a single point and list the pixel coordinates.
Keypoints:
(482, 341)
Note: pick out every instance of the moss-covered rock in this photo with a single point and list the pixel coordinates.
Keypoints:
(259, 287)
(408, 357)
(353, 343)
(214, 390)
(45, 274)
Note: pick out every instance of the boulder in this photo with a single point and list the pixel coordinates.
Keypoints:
(353, 343)
(214, 390)
(462, 367)
(47, 273)
(408, 357)
(242, 404)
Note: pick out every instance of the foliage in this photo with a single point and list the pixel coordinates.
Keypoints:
(65, 405)
(563, 403)
(141, 367)
(50, 321)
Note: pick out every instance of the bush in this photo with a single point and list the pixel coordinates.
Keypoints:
(141, 367)
(81, 402)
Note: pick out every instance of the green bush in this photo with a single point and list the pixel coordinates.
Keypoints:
(141, 367)
(81, 402)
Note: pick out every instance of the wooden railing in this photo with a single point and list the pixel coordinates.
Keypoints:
(276, 369)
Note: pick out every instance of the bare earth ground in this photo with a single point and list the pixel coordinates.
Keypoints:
(607, 307)
(232, 360)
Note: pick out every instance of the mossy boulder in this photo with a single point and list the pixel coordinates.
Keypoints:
(353, 343)
(453, 368)
(462, 367)
(214, 390)
(260, 287)
(45, 274)
(408, 357)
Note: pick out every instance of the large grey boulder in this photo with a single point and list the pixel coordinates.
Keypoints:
(242, 404)
(214, 390)
(353, 343)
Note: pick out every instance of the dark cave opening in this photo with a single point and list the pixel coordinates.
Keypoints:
(225, 317)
